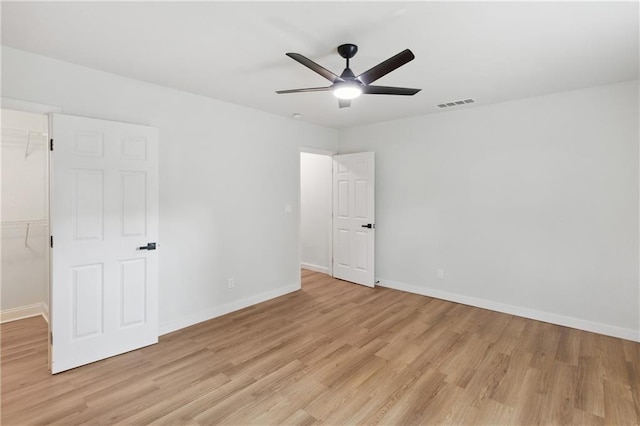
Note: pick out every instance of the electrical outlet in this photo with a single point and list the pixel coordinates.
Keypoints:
(440, 273)
(231, 283)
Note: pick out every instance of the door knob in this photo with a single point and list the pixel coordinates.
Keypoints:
(149, 246)
(369, 225)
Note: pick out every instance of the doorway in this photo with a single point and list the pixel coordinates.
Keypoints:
(337, 215)
(24, 215)
(316, 210)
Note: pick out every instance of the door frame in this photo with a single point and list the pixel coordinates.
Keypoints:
(330, 154)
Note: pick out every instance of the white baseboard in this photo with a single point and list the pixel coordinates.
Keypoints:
(217, 311)
(45, 312)
(315, 268)
(580, 324)
(22, 312)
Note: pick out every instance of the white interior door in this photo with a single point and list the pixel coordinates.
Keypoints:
(354, 217)
(104, 209)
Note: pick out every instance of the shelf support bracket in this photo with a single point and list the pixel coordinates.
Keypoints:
(26, 151)
(26, 235)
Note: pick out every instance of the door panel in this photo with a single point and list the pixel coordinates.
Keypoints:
(89, 144)
(133, 289)
(361, 208)
(88, 300)
(342, 248)
(361, 261)
(353, 207)
(134, 207)
(88, 204)
(104, 206)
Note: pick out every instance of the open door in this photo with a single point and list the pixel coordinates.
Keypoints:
(104, 227)
(354, 217)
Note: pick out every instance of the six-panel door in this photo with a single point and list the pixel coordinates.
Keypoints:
(353, 217)
(104, 206)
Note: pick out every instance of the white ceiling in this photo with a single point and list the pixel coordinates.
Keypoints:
(235, 51)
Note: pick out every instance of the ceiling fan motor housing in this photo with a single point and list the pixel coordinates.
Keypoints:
(348, 50)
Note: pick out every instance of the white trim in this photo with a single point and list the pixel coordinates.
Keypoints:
(315, 268)
(22, 312)
(45, 312)
(580, 324)
(318, 151)
(218, 311)
(27, 106)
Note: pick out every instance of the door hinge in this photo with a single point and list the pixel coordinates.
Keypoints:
(50, 144)
(51, 241)
(51, 337)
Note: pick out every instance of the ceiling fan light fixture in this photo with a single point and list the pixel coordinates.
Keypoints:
(347, 85)
(347, 91)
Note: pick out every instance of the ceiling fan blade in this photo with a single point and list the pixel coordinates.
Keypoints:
(384, 68)
(344, 103)
(386, 90)
(309, 89)
(314, 67)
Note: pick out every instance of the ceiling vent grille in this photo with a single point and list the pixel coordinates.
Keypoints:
(456, 103)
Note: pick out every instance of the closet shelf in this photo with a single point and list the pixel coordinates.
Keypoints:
(34, 139)
(19, 224)
(8, 132)
(23, 224)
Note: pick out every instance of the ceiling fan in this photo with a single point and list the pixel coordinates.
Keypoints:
(347, 86)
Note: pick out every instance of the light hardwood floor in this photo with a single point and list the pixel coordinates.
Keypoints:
(336, 353)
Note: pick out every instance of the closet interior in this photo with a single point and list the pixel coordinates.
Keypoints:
(24, 215)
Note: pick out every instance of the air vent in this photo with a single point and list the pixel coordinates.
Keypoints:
(455, 103)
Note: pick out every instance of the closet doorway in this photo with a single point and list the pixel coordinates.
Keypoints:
(24, 215)
(98, 288)
(316, 204)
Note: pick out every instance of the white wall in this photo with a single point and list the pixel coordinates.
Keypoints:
(226, 174)
(24, 176)
(315, 211)
(529, 206)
